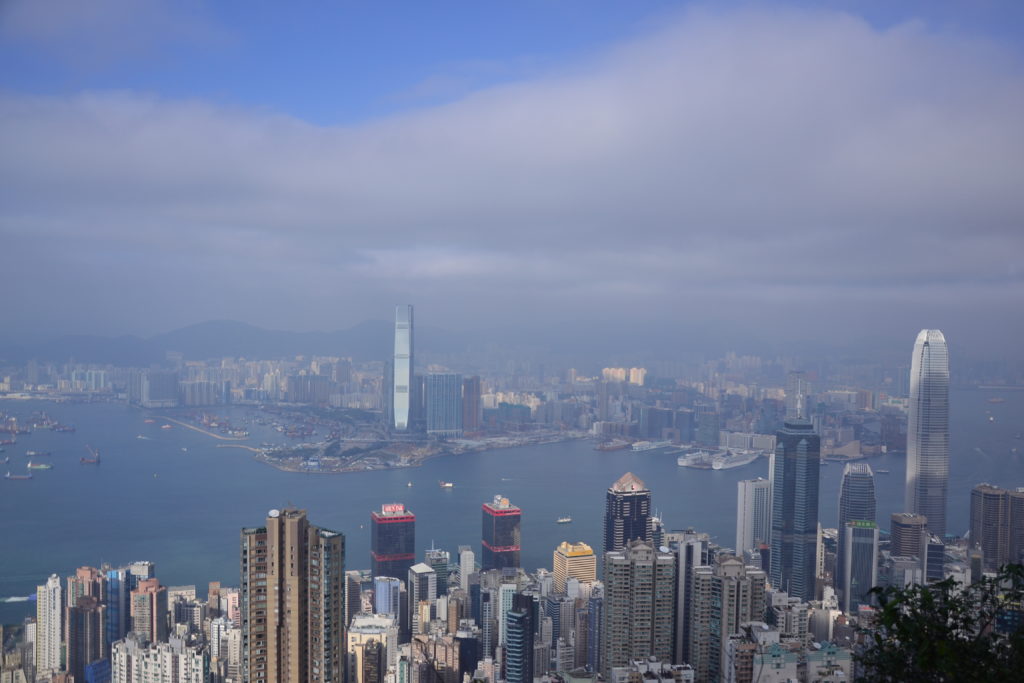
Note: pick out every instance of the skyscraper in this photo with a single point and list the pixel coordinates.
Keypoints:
(856, 503)
(293, 627)
(997, 525)
(907, 534)
(519, 640)
(422, 591)
(753, 514)
(639, 605)
(149, 611)
(573, 560)
(387, 595)
(692, 549)
(928, 431)
(392, 540)
(501, 535)
(49, 625)
(467, 565)
(472, 407)
(402, 369)
(860, 563)
(85, 634)
(795, 475)
(627, 513)
(444, 404)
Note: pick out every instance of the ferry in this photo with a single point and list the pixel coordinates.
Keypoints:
(166, 427)
(17, 476)
(564, 520)
(615, 445)
(446, 484)
(39, 466)
(650, 445)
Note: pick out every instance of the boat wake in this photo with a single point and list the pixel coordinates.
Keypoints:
(26, 598)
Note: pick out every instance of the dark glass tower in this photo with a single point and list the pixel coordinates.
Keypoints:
(627, 513)
(500, 539)
(392, 540)
(519, 640)
(795, 470)
(856, 504)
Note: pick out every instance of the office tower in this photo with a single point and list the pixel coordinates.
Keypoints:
(725, 596)
(928, 431)
(519, 640)
(85, 634)
(907, 534)
(933, 558)
(293, 609)
(499, 547)
(402, 369)
(856, 503)
(753, 514)
(444, 404)
(467, 565)
(691, 550)
(422, 591)
(595, 624)
(392, 540)
(506, 592)
(387, 595)
(49, 625)
(159, 389)
(439, 560)
(639, 605)
(353, 594)
(627, 513)
(997, 525)
(798, 388)
(795, 473)
(472, 405)
(133, 661)
(707, 425)
(860, 569)
(120, 584)
(573, 560)
(149, 611)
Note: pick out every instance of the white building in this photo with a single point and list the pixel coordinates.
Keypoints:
(49, 625)
(170, 662)
(753, 514)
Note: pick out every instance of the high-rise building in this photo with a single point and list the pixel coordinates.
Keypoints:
(85, 635)
(422, 592)
(573, 560)
(444, 404)
(467, 565)
(725, 596)
(439, 560)
(501, 537)
(691, 549)
(293, 627)
(402, 370)
(392, 540)
(928, 431)
(49, 625)
(639, 605)
(627, 513)
(907, 534)
(372, 642)
(387, 595)
(997, 525)
(795, 476)
(753, 514)
(472, 405)
(133, 661)
(860, 558)
(519, 640)
(149, 611)
(856, 503)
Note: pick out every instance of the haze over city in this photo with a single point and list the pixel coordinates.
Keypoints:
(730, 174)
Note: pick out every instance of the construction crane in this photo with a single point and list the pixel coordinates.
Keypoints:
(94, 458)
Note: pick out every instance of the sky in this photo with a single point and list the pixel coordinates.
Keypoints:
(740, 173)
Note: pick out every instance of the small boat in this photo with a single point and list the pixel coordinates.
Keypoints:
(882, 471)
(564, 520)
(446, 484)
(39, 466)
(991, 419)
(166, 427)
(184, 450)
(17, 476)
(144, 438)
(409, 484)
(149, 421)
(37, 454)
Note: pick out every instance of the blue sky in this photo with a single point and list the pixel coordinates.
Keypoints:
(532, 166)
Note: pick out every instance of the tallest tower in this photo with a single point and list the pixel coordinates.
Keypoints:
(402, 376)
(928, 431)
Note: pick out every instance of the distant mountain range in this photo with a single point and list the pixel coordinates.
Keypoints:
(220, 338)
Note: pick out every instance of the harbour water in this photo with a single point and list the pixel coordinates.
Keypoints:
(175, 498)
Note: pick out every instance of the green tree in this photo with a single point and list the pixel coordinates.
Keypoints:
(946, 631)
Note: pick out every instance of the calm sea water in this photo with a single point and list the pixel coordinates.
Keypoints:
(183, 509)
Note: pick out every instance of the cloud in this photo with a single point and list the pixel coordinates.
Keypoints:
(739, 162)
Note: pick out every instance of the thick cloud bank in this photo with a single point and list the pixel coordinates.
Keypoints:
(778, 170)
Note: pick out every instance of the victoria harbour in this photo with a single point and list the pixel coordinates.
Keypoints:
(174, 497)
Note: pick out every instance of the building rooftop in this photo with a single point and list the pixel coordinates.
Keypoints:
(628, 482)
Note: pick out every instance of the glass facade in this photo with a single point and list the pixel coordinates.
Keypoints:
(627, 514)
(856, 502)
(402, 369)
(928, 431)
(860, 555)
(501, 537)
(392, 540)
(795, 477)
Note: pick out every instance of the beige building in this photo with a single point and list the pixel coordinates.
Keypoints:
(576, 561)
(292, 601)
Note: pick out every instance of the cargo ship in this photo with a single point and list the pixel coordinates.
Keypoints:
(39, 466)
(17, 476)
(564, 520)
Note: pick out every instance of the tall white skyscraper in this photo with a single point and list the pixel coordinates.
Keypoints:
(403, 367)
(49, 625)
(928, 431)
(753, 514)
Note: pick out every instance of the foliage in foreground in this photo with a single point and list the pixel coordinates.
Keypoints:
(949, 632)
